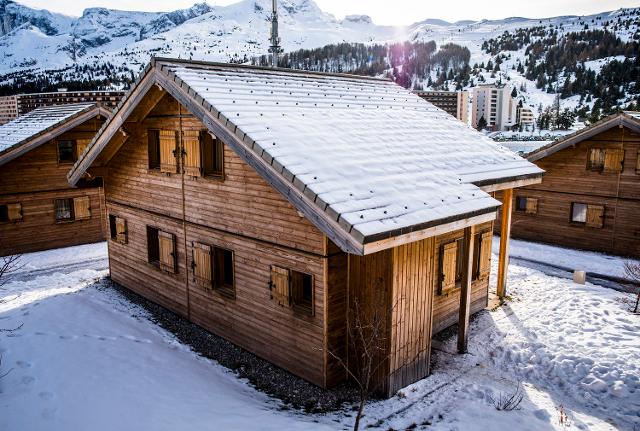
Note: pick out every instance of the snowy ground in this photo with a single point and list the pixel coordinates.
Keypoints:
(86, 358)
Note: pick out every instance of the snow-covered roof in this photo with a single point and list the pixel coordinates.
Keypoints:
(39, 123)
(630, 119)
(377, 159)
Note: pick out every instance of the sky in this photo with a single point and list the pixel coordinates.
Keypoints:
(395, 12)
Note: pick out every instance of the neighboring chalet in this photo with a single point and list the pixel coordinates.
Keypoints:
(264, 204)
(38, 208)
(590, 195)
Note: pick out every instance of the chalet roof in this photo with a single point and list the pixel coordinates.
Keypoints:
(367, 156)
(628, 119)
(42, 124)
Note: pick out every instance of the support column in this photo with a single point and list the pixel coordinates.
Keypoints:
(505, 233)
(465, 289)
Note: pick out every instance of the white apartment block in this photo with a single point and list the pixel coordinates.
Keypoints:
(496, 105)
(525, 117)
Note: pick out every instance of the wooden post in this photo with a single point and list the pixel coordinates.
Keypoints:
(465, 289)
(505, 233)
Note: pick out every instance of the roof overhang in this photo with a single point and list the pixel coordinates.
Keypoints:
(620, 120)
(51, 133)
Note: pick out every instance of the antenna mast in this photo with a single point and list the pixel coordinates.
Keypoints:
(275, 39)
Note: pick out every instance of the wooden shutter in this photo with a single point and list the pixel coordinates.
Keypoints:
(121, 230)
(532, 206)
(280, 285)
(613, 158)
(596, 158)
(448, 266)
(202, 267)
(168, 160)
(638, 163)
(81, 145)
(82, 208)
(485, 255)
(595, 216)
(167, 247)
(191, 143)
(14, 212)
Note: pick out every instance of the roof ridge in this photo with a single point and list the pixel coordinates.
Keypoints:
(278, 70)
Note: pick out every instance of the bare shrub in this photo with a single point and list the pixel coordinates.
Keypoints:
(508, 401)
(632, 270)
(9, 264)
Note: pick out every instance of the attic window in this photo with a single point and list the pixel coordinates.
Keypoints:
(153, 139)
(66, 151)
(212, 156)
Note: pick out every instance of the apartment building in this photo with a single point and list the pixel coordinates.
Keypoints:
(495, 105)
(8, 109)
(525, 117)
(454, 102)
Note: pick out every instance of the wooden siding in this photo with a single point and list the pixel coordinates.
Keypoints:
(35, 180)
(568, 180)
(446, 305)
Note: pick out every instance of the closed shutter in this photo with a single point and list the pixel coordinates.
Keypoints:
(532, 206)
(121, 230)
(168, 160)
(613, 158)
(638, 163)
(448, 266)
(595, 216)
(167, 247)
(485, 255)
(280, 285)
(14, 212)
(82, 208)
(202, 267)
(596, 158)
(191, 142)
(81, 145)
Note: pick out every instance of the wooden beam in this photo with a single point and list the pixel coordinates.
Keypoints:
(383, 244)
(465, 289)
(511, 184)
(505, 233)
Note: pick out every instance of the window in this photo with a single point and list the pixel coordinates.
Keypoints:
(64, 209)
(578, 212)
(452, 261)
(10, 212)
(291, 288)
(212, 156)
(302, 292)
(153, 143)
(223, 277)
(213, 268)
(118, 229)
(161, 250)
(66, 151)
(527, 205)
(153, 249)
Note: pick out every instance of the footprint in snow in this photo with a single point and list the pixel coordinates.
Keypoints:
(46, 395)
(28, 380)
(23, 364)
(49, 413)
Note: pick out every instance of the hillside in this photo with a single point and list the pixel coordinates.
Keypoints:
(589, 60)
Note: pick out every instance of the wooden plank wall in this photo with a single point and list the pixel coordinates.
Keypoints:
(336, 287)
(36, 179)
(567, 180)
(446, 306)
(412, 300)
(242, 214)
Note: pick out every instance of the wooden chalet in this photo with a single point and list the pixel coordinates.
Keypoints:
(264, 204)
(38, 208)
(590, 195)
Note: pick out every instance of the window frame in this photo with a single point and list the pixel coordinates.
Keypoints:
(571, 213)
(520, 199)
(153, 253)
(74, 153)
(71, 217)
(4, 213)
(6, 217)
(302, 306)
(600, 166)
(156, 148)
(218, 283)
(217, 147)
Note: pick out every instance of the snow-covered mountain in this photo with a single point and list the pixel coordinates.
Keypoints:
(36, 41)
